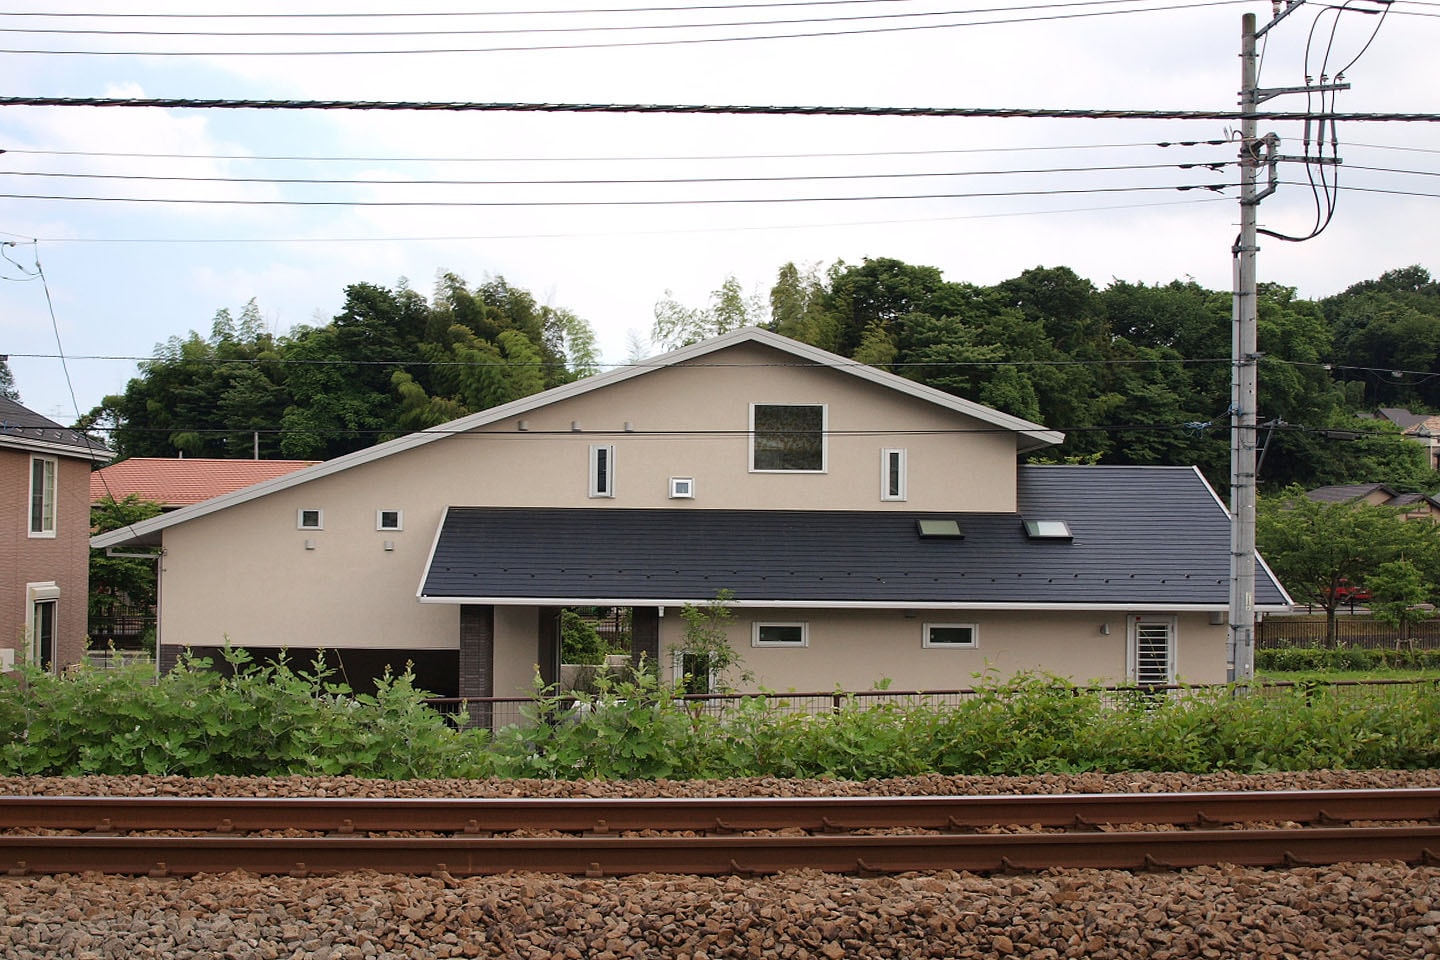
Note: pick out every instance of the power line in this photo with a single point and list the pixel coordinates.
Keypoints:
(814, 34)
(829, 225)
(1215, 167)
(704, 109)
(608, 159)
(451, 30)
(528, 12)
(704, 201)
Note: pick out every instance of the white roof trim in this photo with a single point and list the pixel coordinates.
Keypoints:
(1031, 435)
(1120, 606)
(55, 448)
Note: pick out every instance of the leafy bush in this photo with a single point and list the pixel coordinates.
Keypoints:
(1319, 659)
(269, 720)
(273, 719)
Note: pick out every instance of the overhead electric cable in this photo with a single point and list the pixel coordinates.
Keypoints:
(615, 158)
(704, 109)
(451, 30)
(651, 181)
(705, 201)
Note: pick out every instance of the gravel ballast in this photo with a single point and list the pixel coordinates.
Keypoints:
(1372, 910)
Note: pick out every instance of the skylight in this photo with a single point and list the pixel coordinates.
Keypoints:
(1048, 530)
(937, 528)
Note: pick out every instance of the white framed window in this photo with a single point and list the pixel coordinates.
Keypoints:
(951, 636)
(1150, 650)
(692, 672)
(787, 437)
(777, 634)
(389, 519)
(42, 604)
(310, 518)
(602, 470)
(682, 488)
(892, 474)
(42, 496)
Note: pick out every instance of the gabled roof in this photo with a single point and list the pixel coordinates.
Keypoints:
(1344, 492)
(1404, 419)
(173, 482)
(1029, 436)
(1153, 538)
(24, 429)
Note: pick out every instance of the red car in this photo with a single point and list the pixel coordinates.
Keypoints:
(1347, 592)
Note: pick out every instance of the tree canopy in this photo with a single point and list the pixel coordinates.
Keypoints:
(390, 362)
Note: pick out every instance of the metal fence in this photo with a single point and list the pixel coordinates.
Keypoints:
(498, 712)
(1275, 632)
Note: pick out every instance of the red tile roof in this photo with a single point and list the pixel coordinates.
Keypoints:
(179, 483)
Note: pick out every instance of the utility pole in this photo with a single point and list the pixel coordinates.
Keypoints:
(1255, 152)
(1243, 380)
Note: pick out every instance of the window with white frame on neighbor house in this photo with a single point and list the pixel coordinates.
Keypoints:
(787, 437)
(389, 519)
(310, 518)
(951, 636)
(892, 474)
(602, 470)
(776, 634)
(42, 496)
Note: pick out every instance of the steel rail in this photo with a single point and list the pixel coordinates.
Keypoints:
(479, 816)
(617, 856)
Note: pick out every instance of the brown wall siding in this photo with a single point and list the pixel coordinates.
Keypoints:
(64, 559)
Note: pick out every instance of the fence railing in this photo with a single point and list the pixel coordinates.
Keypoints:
(497, 712)
(1275, 632)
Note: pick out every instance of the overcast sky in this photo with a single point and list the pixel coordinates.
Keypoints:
(982, 199)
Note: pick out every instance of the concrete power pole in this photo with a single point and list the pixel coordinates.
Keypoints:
(1243, 379)
(1255, 152)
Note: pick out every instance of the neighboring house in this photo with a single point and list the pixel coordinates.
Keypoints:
(1420, 427)
(172, 483)
(44, 537)
(1411, 506)
(868, 528)
(181, 482)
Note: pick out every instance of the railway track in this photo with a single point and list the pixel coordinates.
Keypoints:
(163, 836)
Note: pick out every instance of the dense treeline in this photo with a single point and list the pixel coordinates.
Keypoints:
(1141, 374)
(1132, 373)
(389, 363)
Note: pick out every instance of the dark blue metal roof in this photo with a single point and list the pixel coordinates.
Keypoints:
(1141, 535)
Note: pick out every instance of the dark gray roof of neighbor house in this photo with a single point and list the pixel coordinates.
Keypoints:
(22, 427)
(1403, 418)
(1139, 536)
(1342, 492)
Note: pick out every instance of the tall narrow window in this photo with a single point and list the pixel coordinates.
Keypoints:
(892, 474)
(602, 470)
(1152, 650)
(43, 601)
(42, 496)
(787, 437)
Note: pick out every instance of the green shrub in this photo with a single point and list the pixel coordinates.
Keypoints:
(580, 642)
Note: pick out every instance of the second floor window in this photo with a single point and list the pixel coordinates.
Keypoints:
(602, 470)
(42, 496)
(787, 437)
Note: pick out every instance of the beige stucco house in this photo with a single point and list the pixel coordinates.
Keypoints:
(867, 527)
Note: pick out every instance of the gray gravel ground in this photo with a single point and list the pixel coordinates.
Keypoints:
(1372, 910)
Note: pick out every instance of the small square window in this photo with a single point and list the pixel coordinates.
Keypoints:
(780, 635)
(307, 518)
(389, 520)
(951, 636)
(682, 488)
